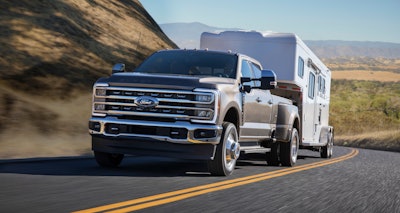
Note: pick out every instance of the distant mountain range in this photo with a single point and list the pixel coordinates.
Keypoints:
(187, 35)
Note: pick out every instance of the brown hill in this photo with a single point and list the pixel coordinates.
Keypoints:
(51, 52)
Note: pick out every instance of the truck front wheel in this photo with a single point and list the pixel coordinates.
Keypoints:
(289, 150)
(227, 152)
(108, 159)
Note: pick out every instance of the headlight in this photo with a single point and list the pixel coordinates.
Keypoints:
(204, 97)
(101, 92)
(99, 107)
(204, 113)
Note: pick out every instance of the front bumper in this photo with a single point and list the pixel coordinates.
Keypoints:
(180, 139)
(182, 132)
(148, 147)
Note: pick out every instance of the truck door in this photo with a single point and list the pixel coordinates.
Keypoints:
(256, 107)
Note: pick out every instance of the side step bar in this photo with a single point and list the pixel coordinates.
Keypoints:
(254, 149)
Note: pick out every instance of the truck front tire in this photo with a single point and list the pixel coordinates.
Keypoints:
(289, 150)
(108, 159)
(227, 152)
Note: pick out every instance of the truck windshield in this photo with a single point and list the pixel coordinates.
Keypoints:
(186, 62)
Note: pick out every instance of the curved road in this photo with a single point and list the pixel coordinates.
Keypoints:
(355, 180)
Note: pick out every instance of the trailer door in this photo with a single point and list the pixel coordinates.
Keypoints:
(310, 109)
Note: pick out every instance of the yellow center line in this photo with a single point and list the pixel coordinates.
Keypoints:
(160, 199)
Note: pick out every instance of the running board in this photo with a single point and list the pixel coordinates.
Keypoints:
(254, 149)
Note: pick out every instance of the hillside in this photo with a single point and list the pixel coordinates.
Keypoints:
(51, 53)
(72, 42)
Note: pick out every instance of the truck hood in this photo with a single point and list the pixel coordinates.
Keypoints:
(130, 79)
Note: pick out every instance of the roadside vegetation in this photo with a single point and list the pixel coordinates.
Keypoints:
(366, 114)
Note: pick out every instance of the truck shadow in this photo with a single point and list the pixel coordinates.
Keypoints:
(132, 166)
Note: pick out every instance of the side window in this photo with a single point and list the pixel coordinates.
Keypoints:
(300, 67)
(246, 72)
(321, 85)
(257, 74)
(311, 85)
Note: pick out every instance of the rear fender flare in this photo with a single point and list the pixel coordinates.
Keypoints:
(287, 114)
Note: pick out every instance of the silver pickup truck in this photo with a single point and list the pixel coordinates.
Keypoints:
(193, 104)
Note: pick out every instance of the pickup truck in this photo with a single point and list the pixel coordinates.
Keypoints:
(193, 104)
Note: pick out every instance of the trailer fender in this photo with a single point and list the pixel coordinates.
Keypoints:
(326, 133)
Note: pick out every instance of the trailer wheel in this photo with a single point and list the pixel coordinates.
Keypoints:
(327, 151)
(108, 159)
(272, 157)
(227, 152)
(289, 150)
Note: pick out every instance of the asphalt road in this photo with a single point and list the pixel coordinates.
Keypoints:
(354, 181)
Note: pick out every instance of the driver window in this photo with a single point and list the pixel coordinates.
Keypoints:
(246, 72)
(257, 74)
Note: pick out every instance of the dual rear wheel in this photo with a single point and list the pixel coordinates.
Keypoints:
(284, 153)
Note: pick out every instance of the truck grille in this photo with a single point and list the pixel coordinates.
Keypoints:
(172, 104)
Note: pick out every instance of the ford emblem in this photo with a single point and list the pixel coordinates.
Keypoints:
(146, 101)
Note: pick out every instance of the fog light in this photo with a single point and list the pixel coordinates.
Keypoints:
(205, 133)
(95, 126)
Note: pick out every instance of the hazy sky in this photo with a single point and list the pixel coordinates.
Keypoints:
(351, 20)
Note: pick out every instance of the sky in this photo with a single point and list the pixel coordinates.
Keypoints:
(349, 20)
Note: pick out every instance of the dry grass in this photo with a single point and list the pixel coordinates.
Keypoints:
(382, 76)
(382, 140)
(39, 127)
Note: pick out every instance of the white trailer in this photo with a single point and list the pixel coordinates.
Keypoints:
(302, 77)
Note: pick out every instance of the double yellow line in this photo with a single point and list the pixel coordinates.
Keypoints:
(169, 197)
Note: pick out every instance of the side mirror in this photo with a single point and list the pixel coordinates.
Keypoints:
(244, 80)
(268, 80)
(245, 88)
(120, 67)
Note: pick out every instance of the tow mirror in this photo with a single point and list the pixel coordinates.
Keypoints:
(244, 80)
(268, 80)
(120, 67)
(246, 88)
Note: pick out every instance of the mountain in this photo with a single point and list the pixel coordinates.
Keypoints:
(369, 49)
(187, 35)
(52, 51)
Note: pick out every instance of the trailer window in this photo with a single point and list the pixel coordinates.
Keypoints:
(311, 85)
(300, 68)
(321, 85)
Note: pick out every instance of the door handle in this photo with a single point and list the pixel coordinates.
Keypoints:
(270, 102)
(258, 99)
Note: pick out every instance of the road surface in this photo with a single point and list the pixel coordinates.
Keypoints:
(354, 180)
